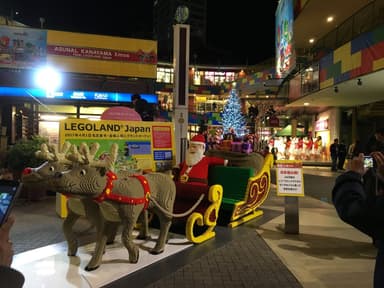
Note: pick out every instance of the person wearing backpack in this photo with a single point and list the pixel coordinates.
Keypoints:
(358, 196)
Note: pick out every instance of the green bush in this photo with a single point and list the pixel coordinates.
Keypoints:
(22, 154)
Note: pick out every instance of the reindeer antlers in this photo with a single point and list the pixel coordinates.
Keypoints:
(86, 155)
(51, 152)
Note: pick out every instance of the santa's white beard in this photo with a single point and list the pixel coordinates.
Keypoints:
(192, 159)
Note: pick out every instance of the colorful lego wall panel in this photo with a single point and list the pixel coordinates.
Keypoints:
(362, 55)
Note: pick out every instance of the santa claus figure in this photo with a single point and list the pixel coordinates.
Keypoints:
(194, 170)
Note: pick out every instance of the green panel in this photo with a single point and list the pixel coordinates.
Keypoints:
(378, 35)
(227, 206)
(233, 179)
(334, 70)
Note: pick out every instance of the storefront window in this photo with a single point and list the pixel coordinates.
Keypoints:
(164, 75)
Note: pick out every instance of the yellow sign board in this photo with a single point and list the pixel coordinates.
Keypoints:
(143, 145)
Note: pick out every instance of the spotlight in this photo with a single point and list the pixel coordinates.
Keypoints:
(359, 82)
(336, 89)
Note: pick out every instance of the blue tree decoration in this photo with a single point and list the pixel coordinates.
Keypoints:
(232, 116)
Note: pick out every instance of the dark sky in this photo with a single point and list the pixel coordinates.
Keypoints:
(242, 34)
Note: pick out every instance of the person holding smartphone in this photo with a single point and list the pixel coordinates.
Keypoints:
(12, 277)
(358, 196)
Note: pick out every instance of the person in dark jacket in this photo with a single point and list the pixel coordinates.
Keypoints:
(342, 154)
(358, 196)
(334, 151)
(142, 107)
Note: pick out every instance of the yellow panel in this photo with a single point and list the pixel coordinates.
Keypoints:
(200, 99)
(99, 41)
(378, 64)
(356, 60)
(343, 54)
(104, 67)
(89, 66)
(326, 83)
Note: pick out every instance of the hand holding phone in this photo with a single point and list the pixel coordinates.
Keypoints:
(368, 162)
(9, 192)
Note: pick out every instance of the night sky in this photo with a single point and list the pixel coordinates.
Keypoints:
(243, 34)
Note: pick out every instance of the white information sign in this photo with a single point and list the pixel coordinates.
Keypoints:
(289, 178)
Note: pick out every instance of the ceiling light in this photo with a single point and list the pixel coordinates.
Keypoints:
(330, 19)
(312, 40)
(306, 103)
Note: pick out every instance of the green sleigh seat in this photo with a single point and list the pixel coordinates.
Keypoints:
(244, 190)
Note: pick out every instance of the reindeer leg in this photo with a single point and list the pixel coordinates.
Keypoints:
(129, 215)
(143, 226)
(111, 231)
(74, 213)
(165, 225)
(97, 255)
(69, 235)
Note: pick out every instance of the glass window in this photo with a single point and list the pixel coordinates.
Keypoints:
(164, 75)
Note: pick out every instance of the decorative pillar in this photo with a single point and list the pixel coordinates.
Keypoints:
(181, 34)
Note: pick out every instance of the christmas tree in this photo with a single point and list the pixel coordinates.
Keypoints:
(232, 118)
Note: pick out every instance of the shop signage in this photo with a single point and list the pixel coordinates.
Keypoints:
(148, 145)
(103, 54)
(75, 95)
(22, 47)
(321, 125)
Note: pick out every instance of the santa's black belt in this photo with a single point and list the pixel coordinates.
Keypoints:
(199, 180)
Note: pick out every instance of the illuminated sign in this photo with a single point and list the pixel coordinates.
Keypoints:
(285, 49)
(75, 95)
(321, 125)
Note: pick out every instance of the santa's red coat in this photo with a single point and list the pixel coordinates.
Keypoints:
(200, 170)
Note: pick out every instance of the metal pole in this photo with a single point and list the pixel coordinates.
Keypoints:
(291, 215)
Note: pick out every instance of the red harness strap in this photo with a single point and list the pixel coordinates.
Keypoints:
(108, 194)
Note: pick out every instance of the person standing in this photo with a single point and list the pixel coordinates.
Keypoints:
(376, 143)
(358, 196)
(342, 154)
(334, 151)
(142, 107)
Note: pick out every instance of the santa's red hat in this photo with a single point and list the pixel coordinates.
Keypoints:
(198, 139)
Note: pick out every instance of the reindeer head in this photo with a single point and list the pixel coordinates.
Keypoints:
(88, 176)
(56, 161)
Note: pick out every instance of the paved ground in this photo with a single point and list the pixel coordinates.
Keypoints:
(237, 257)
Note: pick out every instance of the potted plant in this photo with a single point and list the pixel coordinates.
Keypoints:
(22, 155)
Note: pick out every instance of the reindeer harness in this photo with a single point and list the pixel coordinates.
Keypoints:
(109, 195)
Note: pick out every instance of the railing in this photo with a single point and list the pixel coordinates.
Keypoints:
(366, 19)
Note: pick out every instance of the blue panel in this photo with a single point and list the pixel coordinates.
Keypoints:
(75, 95)
(326, 61)
(362, 42)
(343, 77)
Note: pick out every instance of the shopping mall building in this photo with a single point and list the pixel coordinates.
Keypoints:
(329, 87)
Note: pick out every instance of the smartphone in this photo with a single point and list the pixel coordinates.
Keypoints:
(9, 192)
(368, 162)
